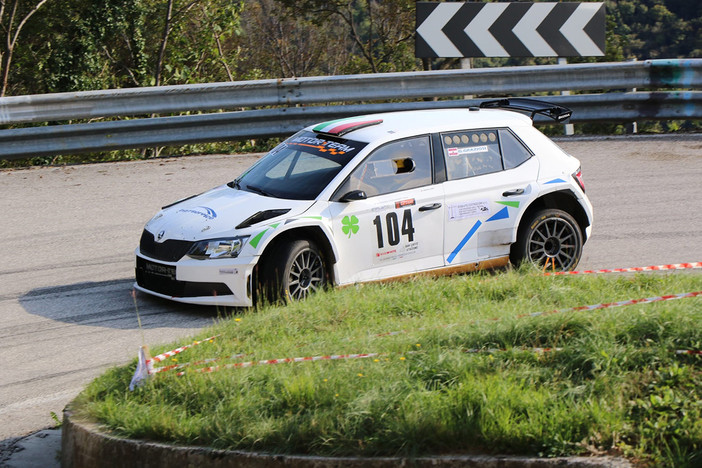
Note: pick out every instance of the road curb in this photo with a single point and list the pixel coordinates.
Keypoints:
(85, 445)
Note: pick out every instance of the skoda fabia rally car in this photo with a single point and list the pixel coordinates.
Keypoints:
(372, 198)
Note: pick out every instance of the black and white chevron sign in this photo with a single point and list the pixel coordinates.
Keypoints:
(544, 29)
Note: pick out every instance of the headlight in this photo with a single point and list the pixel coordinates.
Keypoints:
(218, 248)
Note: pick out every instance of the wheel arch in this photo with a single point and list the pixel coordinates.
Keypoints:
(564, 200)
(313, 233)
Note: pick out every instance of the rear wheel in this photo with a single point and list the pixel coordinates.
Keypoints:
(550, 238)
(296, 270)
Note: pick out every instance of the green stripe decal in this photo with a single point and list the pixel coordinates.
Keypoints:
(513, 204)
(254, 242)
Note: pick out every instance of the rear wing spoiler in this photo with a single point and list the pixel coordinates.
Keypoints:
(534, 106)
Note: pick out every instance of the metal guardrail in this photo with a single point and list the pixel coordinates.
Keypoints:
(164, 131)
(294, 92)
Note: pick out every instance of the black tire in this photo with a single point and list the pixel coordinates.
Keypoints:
(551, 236)
(295, 270)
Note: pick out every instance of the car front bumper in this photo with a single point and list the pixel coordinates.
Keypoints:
(225, 282)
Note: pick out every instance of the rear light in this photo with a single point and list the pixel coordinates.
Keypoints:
(578, 176)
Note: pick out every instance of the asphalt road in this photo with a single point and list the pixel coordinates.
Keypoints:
(66, 307)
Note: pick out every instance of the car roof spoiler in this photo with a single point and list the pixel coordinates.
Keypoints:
(534, 106)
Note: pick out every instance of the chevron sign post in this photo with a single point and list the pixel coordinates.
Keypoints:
(544, 29)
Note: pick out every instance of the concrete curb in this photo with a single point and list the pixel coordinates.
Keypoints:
(85, 445)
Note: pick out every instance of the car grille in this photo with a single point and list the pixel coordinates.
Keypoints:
(161, 279)
(167, 251)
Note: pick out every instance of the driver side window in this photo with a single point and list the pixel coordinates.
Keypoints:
(400, 165)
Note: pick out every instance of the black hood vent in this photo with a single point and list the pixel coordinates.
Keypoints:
(261, 216)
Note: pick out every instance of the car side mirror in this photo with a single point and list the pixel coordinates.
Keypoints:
(353, 196)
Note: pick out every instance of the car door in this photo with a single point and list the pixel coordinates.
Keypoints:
(387, 217)
(491, 178)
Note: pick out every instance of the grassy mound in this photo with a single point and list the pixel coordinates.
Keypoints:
(463, 374)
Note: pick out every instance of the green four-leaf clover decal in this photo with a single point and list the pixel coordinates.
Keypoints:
(350, 225)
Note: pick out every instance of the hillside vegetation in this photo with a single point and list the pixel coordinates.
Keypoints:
(53, 46)
(73, 45)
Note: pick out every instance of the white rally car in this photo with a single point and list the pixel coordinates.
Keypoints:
(371, 198)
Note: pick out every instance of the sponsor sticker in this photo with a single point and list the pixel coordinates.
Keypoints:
(205, 212)
(467, 150)
(381, 208)
(403, 203)
(396, 253)
(321, 145)
(458, 211)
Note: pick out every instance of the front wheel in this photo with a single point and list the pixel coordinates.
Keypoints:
(550, 238)
(297, 270)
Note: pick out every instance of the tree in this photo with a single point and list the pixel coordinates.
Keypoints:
(279, 42)
(14, 15)
(204, 44)
(381, 31)
(657, 28)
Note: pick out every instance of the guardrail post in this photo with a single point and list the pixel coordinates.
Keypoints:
(632, 127)
(568, 129)
(467, 65)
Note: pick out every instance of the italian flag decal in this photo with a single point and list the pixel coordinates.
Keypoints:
(343, 126)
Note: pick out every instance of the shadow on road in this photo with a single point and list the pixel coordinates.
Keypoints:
(114, 304)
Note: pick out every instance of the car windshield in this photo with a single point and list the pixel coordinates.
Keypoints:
(300, 167)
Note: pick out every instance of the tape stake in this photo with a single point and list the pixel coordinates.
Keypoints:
(142, 371)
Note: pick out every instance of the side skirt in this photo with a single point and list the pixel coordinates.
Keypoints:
(445, 271)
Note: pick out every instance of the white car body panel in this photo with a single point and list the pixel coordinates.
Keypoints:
(478, 203)
(216, 213)
(370, 253)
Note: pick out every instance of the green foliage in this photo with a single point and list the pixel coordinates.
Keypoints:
(613, 385)
(76, 45)
(657, 28)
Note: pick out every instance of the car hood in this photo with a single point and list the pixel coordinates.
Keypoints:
(216, 213)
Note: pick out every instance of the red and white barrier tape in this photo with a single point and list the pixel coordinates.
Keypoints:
(238, 365)
(571, 309)
(608, 305)
(503, 350)
(156, 370)
(148, 369)
(167, 354)
(673, 266)
(694, 352)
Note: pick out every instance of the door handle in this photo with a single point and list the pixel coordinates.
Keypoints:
(511, 193)
(433, 206)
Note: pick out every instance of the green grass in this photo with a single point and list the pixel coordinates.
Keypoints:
(614, 386)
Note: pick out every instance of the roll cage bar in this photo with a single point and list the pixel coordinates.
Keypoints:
(534, 106)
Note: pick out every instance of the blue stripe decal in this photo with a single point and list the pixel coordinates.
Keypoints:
(502, 214)
(556, 181)
(463, 242)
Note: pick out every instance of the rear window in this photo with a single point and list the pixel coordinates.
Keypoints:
(471, 153)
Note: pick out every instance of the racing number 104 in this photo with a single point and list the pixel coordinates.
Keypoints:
(393, 228)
